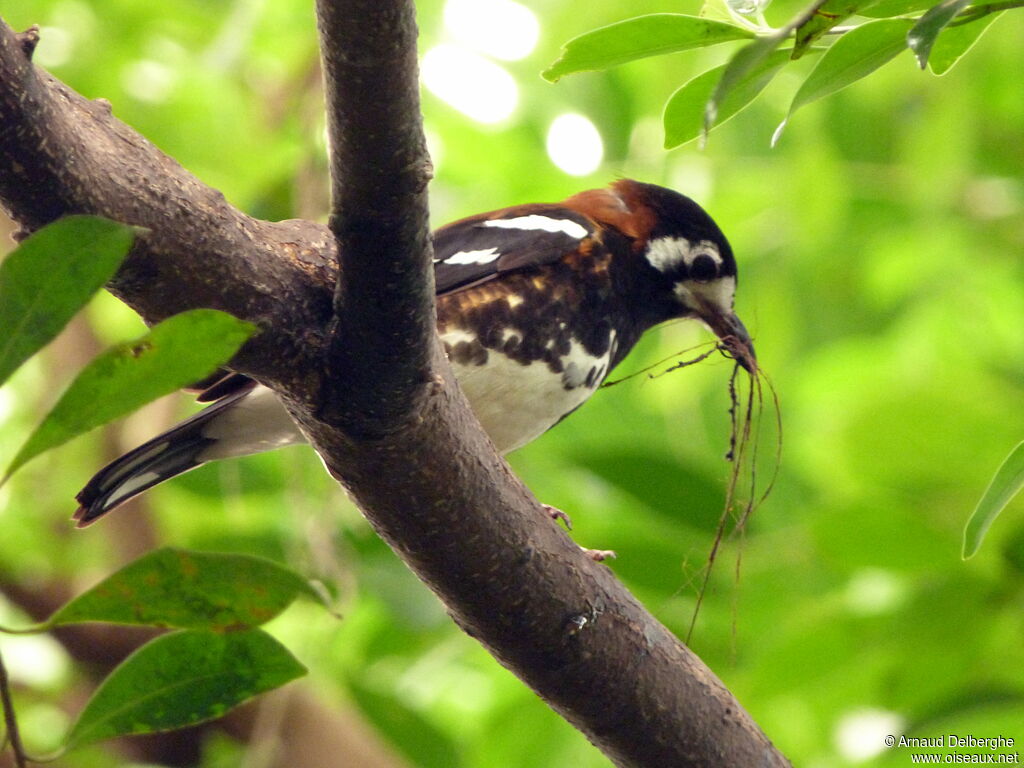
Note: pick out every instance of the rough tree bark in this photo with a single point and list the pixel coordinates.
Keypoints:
(353, 353)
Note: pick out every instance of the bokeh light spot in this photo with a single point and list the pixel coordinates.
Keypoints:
(574, 144)
(472, 84)
(503, 29)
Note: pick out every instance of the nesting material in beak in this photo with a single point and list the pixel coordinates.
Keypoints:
(733, 335)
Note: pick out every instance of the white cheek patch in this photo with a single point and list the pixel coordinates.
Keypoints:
(666, 254)
(485, 256)
(541, 223)
(718, 293)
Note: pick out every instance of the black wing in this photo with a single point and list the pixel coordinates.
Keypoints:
(228, 384)
(480, 248)
(468, 252)
(218, 384)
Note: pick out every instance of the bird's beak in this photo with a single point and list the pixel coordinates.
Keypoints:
(733, 334)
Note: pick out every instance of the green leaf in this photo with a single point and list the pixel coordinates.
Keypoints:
(955, 41)
(684, 112)
(922, 36)
(741, 70)
(181, 679)
(175, 353)
(824, 18)
(426, 745)
(658, 481)
(1006, 484)
(749, 60)
(885, 9)
(191, 590)
(638, 38)
(49, 277)
(853, 56)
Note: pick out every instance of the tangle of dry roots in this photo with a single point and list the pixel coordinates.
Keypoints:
(744, 444)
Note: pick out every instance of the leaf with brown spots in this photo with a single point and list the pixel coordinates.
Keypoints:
(181, 679)
(191, 590)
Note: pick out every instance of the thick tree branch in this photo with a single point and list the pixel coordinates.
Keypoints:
(63, 153)
(418, 464)
(384, 298)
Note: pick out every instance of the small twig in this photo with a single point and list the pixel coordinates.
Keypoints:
(976, 12)
(31, 629)
(966, 16)
(20, 760)
(735, 456)
(685, 363)
(745, 431)
(661, 362)
(778, 439)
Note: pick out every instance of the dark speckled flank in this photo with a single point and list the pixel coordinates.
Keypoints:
(537, 316)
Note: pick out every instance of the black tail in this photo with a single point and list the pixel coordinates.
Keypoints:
(175, 451)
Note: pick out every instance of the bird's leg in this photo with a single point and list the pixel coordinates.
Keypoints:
(599, 555)
(556, 514)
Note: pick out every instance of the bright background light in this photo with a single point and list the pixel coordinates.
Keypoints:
(872, 591)
(472, 84)
(148, 80)
(575, 145)
(502, 29)
(860, 735)
(35, 659)
(57, 45)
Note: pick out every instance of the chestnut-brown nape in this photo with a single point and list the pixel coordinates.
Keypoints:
(621, 207)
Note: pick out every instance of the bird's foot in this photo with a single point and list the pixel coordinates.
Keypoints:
(556, 514)
(599, 555)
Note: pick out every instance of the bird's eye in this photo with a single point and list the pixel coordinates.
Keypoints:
(703, 268)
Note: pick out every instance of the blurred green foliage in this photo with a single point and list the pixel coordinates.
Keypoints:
(880, 249)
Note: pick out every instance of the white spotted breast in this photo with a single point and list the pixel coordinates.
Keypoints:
(517, 402)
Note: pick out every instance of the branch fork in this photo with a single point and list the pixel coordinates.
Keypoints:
(348, 342)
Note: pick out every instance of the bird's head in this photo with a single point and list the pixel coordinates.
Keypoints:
(692, 262)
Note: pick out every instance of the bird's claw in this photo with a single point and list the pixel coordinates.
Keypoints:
(556, 514)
